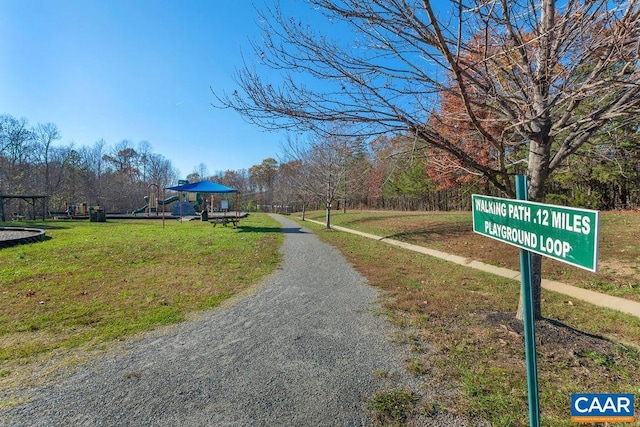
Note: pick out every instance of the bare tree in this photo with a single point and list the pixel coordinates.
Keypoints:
(160, 171)
(92, 166)
(263, 177)
(145, 150)
(321, 168)
(550, 74)
(291, 197)
(45, 135)
(17, 148)
(238, 180)
(200, 173)
(125, 159)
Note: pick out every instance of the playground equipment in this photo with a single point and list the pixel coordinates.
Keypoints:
(77, 210)
(154, 202)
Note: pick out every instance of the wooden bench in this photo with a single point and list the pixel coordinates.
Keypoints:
(224, 220)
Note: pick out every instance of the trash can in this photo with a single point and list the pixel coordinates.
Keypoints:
(102, 215)
(205, 215)
(97, 214)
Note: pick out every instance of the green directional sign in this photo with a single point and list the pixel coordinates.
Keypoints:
(566, 234)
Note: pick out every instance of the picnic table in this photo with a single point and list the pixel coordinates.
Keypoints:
(224, 221)
(225, 218)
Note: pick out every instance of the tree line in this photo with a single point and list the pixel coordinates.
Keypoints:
(394, 172)
(401, 172)
(32, 162)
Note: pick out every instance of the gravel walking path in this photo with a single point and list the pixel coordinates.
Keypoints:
(301, 351)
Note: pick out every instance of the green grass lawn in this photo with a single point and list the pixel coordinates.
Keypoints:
(91, 283)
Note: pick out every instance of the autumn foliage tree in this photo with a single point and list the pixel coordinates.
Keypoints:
(452, 121)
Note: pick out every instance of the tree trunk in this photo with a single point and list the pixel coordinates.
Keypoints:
(538, 173)
(536, 282)
(328, 222)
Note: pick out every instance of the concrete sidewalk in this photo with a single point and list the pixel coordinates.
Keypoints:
(592, 297)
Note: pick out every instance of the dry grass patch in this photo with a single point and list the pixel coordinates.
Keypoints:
(460, 326)
(452, 232)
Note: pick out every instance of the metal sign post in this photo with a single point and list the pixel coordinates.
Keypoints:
(528, 319)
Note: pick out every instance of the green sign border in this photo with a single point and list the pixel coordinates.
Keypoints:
(530, 226)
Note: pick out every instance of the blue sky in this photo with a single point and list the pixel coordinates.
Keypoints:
(136, 70)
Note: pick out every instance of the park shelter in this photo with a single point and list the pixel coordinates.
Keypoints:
(205, 187)
(30, 199)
